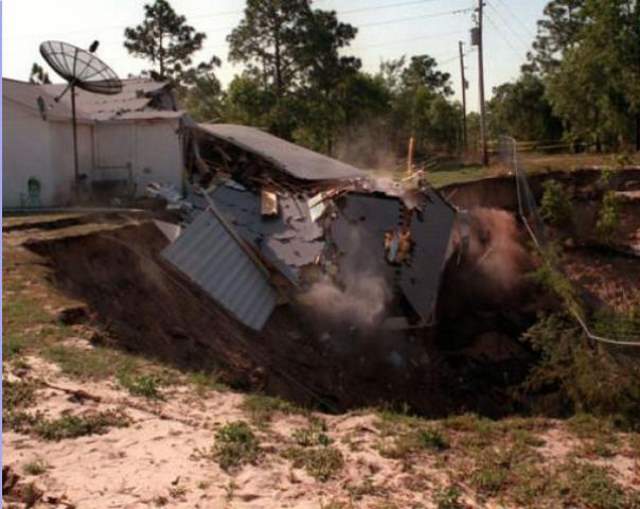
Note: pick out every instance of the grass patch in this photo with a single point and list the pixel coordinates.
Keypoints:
(449, 498)
(322, 463)
(146, 386)
(36, 466)
(592, 486)
(439, 178)
(18, 394)
(90, 364)
(262, 408)
(590, 427)
(366, 488)
(73, 426)
(205, 382)
(314, 434)
(390, 422)
(415, 441)
(235, 445)
(498, 468)
(12, 346)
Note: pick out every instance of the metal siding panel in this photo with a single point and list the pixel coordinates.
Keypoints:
(209, 255)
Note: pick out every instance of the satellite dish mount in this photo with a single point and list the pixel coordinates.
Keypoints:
(82, 69)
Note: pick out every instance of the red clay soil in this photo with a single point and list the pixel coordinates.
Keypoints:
(613, 279)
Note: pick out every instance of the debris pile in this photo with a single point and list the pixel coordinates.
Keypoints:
(272, 222)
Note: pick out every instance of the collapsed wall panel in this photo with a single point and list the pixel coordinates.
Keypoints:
(213, 258)
(430, 230)
(288, 239)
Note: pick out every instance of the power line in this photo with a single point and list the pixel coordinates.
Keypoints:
(219, 14)
(412, 18)
(509, 27)
(504, 38)
(520, 22)
(431, 36)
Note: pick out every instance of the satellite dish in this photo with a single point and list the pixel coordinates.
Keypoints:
(82, 69)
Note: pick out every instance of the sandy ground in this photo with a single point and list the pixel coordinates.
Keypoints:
(162, 458)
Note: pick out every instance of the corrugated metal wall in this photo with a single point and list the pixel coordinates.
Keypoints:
(210, 256)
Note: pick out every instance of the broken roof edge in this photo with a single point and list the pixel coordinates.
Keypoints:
(282, 154)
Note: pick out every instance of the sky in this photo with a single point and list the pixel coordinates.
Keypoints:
(386, 29)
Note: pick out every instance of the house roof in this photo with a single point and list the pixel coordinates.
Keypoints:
(150, 114)
(27, 94)
(295, 160)
(136, 95)
(130, 104)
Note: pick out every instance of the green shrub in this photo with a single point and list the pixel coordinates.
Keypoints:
(553, 280)
(608, 217)
(235, 445)
(587, 377)
(555, 207)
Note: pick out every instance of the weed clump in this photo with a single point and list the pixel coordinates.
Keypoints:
(36, 466)
(414, 441)
(591, 486)
(322, 463)
(449, 498)
(235, 445)
(142, 385)
(73, 426)
(312, 435)
(262, 408)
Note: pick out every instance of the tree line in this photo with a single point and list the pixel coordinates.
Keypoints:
(580, 83)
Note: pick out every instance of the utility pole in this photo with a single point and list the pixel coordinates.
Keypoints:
(483, 125)
(464, 100)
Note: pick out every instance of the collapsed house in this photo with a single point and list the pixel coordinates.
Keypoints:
(270, 222)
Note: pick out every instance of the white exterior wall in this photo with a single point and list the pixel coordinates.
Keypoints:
(151, 148)
(33, 147)
(26, 153)
(62, 157)
(159, 155)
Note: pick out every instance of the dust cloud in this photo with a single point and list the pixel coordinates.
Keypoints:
(367, 149)
(361, 303)
(494, 262)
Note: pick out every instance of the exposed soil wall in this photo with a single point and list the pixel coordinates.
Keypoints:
(500, 192)
(148, 307)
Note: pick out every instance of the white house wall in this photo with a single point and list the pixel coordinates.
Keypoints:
(26, 153)
(62, 157)
(44, 149)
(150, 147)
(159, 156)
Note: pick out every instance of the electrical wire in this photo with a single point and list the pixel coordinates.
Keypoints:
(506, 23)
(504, 38)
(620, 339)
(220, 14)
(520, 22)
